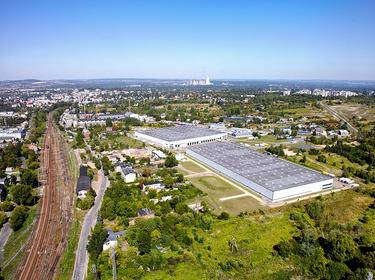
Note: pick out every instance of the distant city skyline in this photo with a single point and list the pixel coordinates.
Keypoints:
(293, 40)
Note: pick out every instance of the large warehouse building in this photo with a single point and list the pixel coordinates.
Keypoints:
(273, 178)
(179, 136)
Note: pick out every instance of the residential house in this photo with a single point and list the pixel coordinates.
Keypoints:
(127, 172)
(145, 213)
(111, 241)
(157, 186)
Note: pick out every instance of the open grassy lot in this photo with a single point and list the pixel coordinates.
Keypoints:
(269, 139)
(14, 250)
(360, 111)
(242, 204)
(216, 188)
(191, 166)
(346, 206)
(119, 142)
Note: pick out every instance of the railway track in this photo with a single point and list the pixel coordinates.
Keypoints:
(49, 237)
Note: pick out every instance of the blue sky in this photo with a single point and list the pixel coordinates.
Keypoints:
(236, 39)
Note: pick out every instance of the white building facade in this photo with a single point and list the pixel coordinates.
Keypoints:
(181, 136)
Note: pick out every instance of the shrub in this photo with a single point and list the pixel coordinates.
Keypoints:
(19, 216)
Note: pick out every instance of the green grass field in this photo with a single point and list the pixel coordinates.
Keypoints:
(66, 264)
(269, 139)
(216, 188)
(191, 166)
(119, 142)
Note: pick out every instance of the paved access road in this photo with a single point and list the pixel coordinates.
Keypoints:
(82, 258)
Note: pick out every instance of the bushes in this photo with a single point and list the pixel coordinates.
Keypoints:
(6, 206)
(223, 216)
(19, 216)
(3, 219)
(331, 251)
(341, 246)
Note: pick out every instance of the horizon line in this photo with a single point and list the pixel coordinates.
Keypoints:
(184, 79)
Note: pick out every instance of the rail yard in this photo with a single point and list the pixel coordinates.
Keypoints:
(49, 237)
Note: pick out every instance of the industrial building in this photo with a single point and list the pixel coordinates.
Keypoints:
(271, 177)
(179, 136)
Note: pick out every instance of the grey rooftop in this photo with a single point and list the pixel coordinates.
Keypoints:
(265, 170)
(179, 132)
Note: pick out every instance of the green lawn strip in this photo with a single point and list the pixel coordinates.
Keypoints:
(14, 249)
(66, 265)
(242, 204)
(189, 165)
(263, 139)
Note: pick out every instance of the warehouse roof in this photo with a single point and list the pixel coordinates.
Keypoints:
(179, 132)
(265, 170)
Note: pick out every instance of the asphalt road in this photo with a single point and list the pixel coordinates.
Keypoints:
(82, 258)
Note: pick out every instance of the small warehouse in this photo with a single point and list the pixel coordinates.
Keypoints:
(273, 178)
(83, 183)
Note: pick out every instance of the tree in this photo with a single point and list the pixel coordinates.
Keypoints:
(80, 139)
(169, 181)
(96, 241)
(29, 177)
(144, 242)
(146, 172)
(19, 216)
(22, 194)
(107, 165)
(108, 122)
(170, 161)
